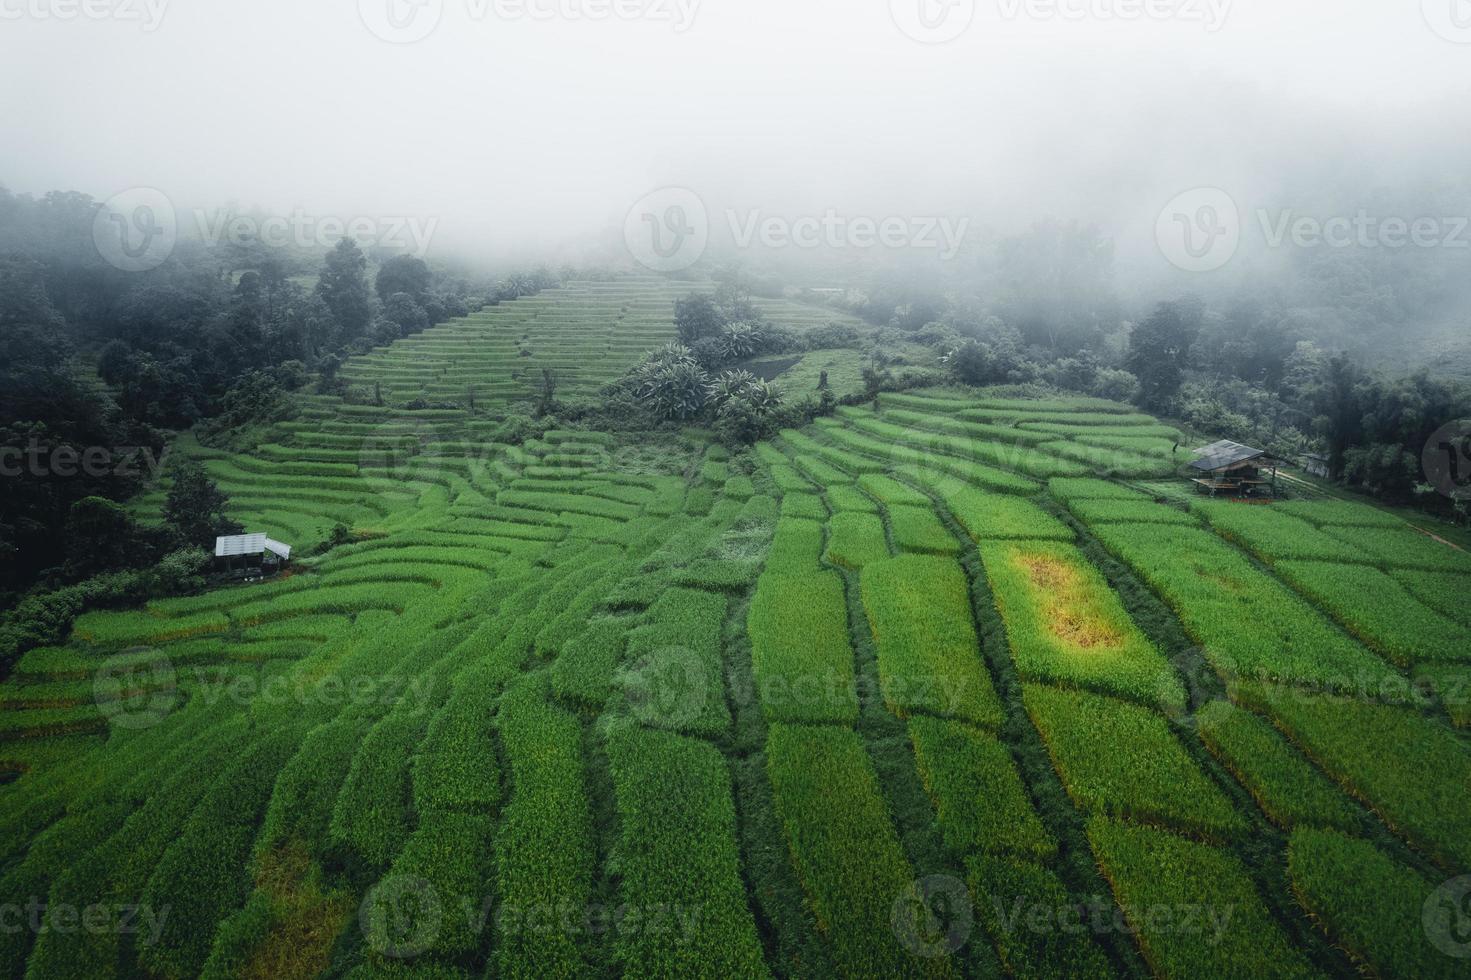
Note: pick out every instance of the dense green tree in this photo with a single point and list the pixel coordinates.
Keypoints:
(1159, 348)
(404, 274)
(195, 508)
(697, 317)
(343, 286)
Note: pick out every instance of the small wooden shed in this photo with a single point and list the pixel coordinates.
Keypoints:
(251, 554)
(1229, 467)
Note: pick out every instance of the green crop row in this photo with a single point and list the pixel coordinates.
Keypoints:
(808, 506)
(929, 658)
(855, 540)
(979, 798)
(455, 767)
(1022, 458)
(1068, 489)
(788, 480)
(1248, 623)
(1340, 513)
(954, 427)
(137, 628)
(677, 827)
(1097, 428)
(903, 458)
(1273, 536)
(847, 855)
(1214, 923)
(676, 674)
(891, 492)
(568, 503)
(1379, 611)
(1409, 769)
(796, 547)
(1284, 784)
(372, 815)
(306, 790)
(990, 516)
(800, 651)
(1382, 912)
(1403, 548)
(1445, 592)
(583, 671)
(1158, 446)
(842, 497)
(917, 529)
(543, 849)
(1000, 888)
(1110, 461)
(343, 599)
(1065, 625)
(202, 876)
(1121, 760)
(1140, 511)
(447, 860)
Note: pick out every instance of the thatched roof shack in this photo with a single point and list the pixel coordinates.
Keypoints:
(1230, 467)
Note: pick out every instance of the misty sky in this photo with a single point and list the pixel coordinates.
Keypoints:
(528, 134)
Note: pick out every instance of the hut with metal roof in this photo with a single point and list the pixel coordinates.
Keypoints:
(1231, 468)
(251, 554)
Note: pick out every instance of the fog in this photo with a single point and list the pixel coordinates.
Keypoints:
(526, 129)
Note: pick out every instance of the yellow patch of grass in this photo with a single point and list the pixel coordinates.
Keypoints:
(307, 922)
(1070, 612)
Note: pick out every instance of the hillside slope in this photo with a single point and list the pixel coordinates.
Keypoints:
(592, 705)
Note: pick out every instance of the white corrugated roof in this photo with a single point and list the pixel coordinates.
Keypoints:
(249, 544)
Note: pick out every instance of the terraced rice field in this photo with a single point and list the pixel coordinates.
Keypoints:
(586, 332)
(932, 690)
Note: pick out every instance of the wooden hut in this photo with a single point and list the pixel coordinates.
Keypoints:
(249, 555)
(1231, 468)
